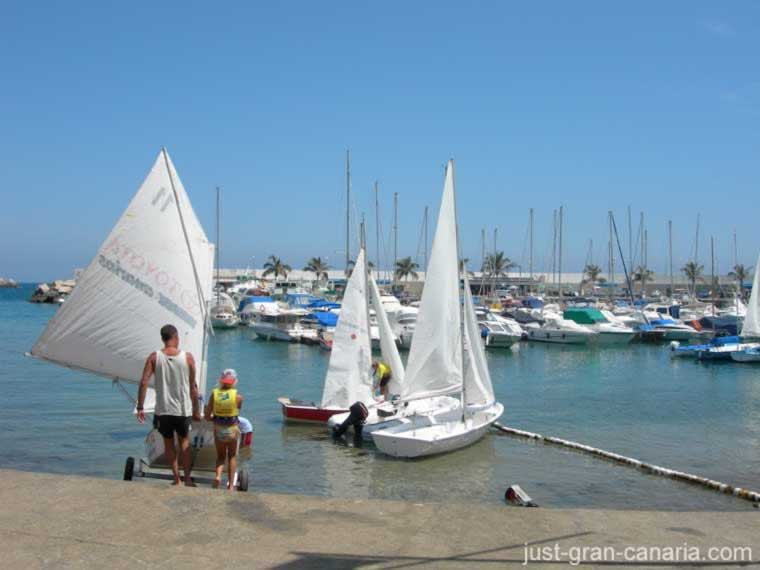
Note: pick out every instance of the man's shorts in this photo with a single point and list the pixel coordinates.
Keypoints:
(226, 433)
(384, 381)
(169, 425)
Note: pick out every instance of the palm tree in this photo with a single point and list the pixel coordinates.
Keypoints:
(317, 267)
(405, 268)
(740, 273)
(497, 264)
(593, 272)
(642, 274)
(275, 266)
(693, 272)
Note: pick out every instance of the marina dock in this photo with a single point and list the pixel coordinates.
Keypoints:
(56, 521)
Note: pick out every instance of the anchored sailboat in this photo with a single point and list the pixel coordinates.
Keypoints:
(446, 355)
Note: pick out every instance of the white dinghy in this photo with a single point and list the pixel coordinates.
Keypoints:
(451, 352)
(154, 268)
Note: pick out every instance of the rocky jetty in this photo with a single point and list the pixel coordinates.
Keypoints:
(55, 292)
(7, 283)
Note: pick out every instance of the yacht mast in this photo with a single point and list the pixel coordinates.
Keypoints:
(530, 259)
(348, 207)
(630, 240)
(217, 245)
(377, 232)
(395, 234)
(554, 249)
(559, 262)
(426, 237)
(670, 258)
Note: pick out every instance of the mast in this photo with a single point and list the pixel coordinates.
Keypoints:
(377, 231)
(611, 258)
(348, 207)
(696, 246)
(712, 275)
(559, 262)
(426, 237)
(395, 234)
(493, 264)
(530, 258)
(554, 248)
(217, 245)
(462, 269)
(198, 287)
(670, 257)
(630, 239)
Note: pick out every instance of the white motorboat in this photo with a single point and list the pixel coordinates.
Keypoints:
(557, 330)
(496, 332)
(110, 323)
(608, 332)
(447, 345)
(283, 325)
(401, 318)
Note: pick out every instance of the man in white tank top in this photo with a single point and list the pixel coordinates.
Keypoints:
(173, 371)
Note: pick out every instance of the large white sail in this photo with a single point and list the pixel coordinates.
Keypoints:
(435, 358)
(478, 388)
(388, 347)
(143, 277)
(348, 377)
(751, 327)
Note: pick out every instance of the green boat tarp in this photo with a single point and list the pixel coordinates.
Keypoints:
(584, 315)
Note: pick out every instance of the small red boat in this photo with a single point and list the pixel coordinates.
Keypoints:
(301, 411)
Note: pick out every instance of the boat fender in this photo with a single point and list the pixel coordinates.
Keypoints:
(516, 496)
(674, 345)
(246, 431)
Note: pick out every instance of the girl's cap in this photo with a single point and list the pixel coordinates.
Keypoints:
(229, 377)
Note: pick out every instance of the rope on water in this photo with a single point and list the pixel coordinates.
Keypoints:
(635, 463)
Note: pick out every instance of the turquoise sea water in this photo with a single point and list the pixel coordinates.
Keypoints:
(703, 418)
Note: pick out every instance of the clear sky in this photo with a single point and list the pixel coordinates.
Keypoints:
(593, 105)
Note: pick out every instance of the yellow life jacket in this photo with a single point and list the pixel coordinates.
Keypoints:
(383, 370)
(225, 403)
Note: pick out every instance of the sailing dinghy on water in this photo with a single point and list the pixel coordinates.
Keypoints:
(446, 356)
(348, 377)
(155, 268)
(434, 369)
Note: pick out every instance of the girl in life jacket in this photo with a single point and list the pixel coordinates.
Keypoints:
(223, 408)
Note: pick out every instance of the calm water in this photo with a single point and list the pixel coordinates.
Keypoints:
(685, 415)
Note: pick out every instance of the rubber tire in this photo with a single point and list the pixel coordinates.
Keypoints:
(243, 480)
(129, 468)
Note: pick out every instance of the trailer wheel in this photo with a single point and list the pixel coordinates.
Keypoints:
(243, 480)
(129, 468)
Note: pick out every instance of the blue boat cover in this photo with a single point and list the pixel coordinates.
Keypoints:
(324, 318)
(533, 303)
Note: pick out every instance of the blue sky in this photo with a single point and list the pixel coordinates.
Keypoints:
(590, 105)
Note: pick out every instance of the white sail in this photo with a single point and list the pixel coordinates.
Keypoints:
(435, 358)
(143, 277)
(478, 389)
(388, 347)
(751, 327)
(348, 377)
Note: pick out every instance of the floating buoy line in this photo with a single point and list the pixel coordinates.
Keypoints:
(745, 494)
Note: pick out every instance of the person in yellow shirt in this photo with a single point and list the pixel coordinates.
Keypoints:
(224, 408)
(382, 373)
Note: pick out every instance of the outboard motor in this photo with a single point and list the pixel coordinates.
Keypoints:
(357, 415)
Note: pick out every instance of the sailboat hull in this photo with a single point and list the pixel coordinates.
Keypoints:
(306, 412)
(411, 441)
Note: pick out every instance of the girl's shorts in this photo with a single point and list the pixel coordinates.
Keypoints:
(226, 434)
